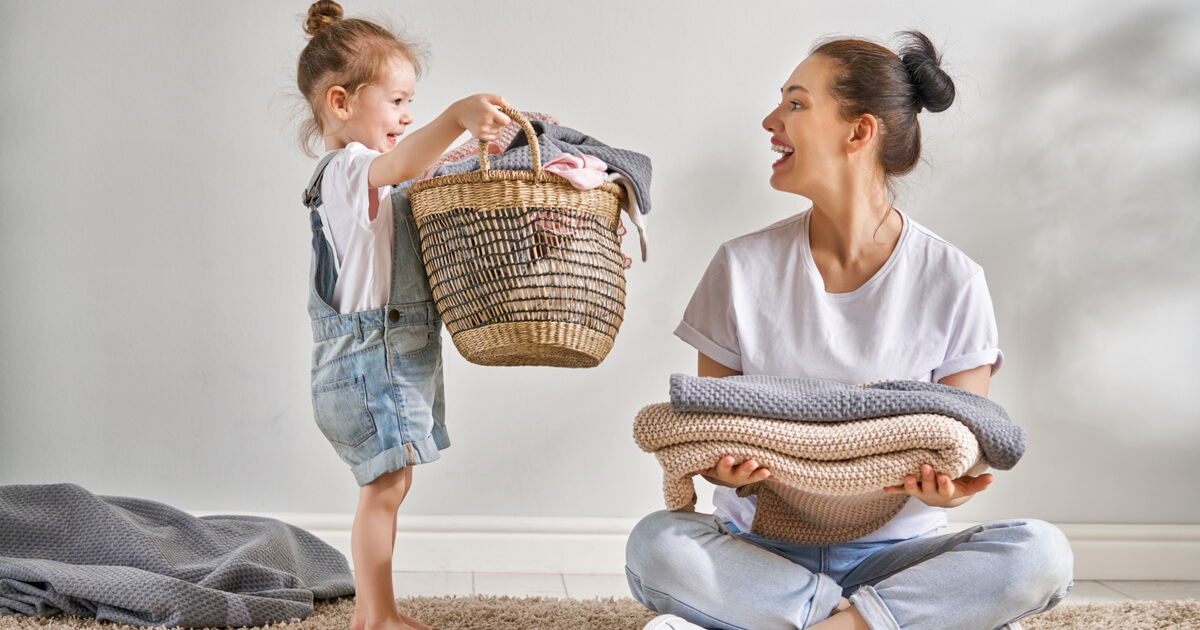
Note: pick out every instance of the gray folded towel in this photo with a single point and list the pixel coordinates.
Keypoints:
(813, 400)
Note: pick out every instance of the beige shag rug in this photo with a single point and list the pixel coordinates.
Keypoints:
(548, 613)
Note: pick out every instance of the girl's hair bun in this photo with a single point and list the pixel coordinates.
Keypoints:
(933, 87)
(321, 14)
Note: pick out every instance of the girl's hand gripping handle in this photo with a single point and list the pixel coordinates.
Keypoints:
(479, 115)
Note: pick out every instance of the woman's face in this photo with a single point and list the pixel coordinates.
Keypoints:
(808, 131)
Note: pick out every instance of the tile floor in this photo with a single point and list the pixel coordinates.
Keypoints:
(581, 586)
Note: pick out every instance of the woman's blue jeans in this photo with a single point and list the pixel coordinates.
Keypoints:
(699, 568)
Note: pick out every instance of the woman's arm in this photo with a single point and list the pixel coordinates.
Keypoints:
(975, 381)
(728, 472)
(706, 366)
(934, 488)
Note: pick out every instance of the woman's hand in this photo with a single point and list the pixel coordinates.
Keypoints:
(937, 490)
(730, 476)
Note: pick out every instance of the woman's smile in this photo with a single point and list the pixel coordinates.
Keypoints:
(780, 147)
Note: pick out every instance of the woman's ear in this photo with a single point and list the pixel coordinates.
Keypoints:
(863, 131)
(337, 101)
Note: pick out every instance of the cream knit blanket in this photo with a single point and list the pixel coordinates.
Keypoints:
(836, 470)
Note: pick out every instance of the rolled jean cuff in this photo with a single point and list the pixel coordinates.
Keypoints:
(873, 610)
(826, 597)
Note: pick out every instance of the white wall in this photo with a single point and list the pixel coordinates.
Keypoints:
(153, 249)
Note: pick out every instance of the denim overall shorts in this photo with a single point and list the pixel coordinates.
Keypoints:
(377, 375)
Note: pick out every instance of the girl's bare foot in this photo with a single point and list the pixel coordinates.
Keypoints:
(403, 623)
(417, 625)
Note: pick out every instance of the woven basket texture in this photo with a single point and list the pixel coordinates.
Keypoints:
(525, 269)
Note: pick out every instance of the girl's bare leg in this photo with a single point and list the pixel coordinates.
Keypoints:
(372, 543)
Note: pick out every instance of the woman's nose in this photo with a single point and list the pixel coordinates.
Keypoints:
(769, 123)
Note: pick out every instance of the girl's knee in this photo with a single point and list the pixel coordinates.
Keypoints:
(386, 491)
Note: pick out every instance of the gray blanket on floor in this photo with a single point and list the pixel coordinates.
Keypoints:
(138, 562)
(811, 400)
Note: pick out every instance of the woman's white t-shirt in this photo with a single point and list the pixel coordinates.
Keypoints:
(363, 246)
(762, 308)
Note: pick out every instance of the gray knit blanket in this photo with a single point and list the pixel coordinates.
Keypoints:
(810, 400)
(553, 141)
(138, 562)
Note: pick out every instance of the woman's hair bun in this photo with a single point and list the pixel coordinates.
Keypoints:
(321, 14)
(933, 87)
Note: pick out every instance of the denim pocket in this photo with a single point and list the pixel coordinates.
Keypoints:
(341, 411)
(411, 340)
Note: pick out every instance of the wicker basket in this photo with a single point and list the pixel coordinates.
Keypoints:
(525, 269)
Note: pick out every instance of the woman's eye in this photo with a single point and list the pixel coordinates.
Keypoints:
(795, 105)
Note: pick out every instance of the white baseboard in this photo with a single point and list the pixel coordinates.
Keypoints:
(510, 544)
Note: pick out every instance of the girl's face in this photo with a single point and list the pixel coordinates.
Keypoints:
(379, 113)
(807, 131)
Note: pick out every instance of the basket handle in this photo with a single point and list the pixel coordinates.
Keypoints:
(534, 154)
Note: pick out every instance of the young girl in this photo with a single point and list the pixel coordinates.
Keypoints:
(851, 290)
(377, 371)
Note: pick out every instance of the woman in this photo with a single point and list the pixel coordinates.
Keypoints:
(852, 290)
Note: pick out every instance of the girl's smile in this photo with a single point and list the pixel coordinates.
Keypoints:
(378, 115)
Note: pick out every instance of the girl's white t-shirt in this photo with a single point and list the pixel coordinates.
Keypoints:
(762, 308)
(363, 246)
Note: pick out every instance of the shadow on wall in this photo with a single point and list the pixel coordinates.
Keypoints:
(1082, 166)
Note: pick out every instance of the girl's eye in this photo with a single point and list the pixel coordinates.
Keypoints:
(795, 105)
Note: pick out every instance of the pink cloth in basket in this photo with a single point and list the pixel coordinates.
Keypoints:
(585, 172)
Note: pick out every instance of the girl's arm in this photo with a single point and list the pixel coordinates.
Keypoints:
(415, 152)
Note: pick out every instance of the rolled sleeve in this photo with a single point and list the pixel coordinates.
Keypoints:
(974, 339)
(993, 357)
(709, 322)
(710, 348)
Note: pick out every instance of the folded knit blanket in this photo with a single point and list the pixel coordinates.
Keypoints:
(836, 470)
(813, 400)
(137, 562)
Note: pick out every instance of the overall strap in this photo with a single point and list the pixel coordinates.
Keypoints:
(410, 285)
(312, 194)
(325, 266)
(317, 216)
